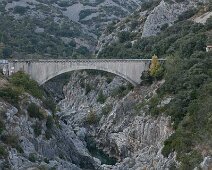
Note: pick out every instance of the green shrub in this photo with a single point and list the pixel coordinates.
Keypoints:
(88, 88)
(12, 140)
(153, 103)
(101, 97)
(9, 139)
(11, 94)
(48, 134)
(107, 109)
(6, 165)
(46, 160)
(92, 118)
(49, 122)
(109, 79)
(32, 157)
(2, 125)
(209, 26)
(34, 111)
(121, 91)
(110, 28)
(49, 104)
(146, 78)
(187, 14)
(167, 149)
(191, 160)
(82, 84)
(84, 13)
(37, 127)
(149, 5)
(20, 10)
(20, 79)
(3, 152)
(124, 36)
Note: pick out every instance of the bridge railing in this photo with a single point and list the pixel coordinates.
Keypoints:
(3, 61)
(82, 60)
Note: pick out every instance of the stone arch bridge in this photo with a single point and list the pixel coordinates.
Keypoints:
(43, 70)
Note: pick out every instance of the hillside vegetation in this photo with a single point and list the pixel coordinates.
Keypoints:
(183, 38)
(188, 78)
(56, 28)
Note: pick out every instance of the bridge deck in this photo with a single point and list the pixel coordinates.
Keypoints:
(82, 60)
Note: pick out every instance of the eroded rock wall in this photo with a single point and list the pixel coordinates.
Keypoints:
(132, 136)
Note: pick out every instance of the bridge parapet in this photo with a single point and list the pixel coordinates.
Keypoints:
(82, 60)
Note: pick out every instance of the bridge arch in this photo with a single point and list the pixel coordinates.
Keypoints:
(44, 70)
(87, 68)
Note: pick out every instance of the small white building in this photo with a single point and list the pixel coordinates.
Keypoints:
(4, 70)
(209, 48)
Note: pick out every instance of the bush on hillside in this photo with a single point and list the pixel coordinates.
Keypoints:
(49, 122)
(92, 118)
(146, 78)
(2, 125)
(88, 88)
(22, 80)
(187, 14)
(13, 141)
(107, 109)
(11, 94)
(101, 97)
(37, 127)
(34, 111)
(3, 152)
(20, 10)
(49, 104)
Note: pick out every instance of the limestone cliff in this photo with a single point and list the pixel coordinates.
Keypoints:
(130, 135)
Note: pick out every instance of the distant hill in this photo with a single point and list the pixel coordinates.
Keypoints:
(57, 28)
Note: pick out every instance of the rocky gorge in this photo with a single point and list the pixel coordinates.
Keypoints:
(97, 109)
(119, 130)
(133, 137)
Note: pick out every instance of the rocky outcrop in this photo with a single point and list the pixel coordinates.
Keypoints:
(203, 18)
(164, 13)
(62, 150)
(206, 163)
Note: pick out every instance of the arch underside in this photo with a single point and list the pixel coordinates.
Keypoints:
(87, 68)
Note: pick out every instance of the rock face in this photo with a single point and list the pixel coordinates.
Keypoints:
(63, 150)
(130, 135)
(207, 163)
(164, 13)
